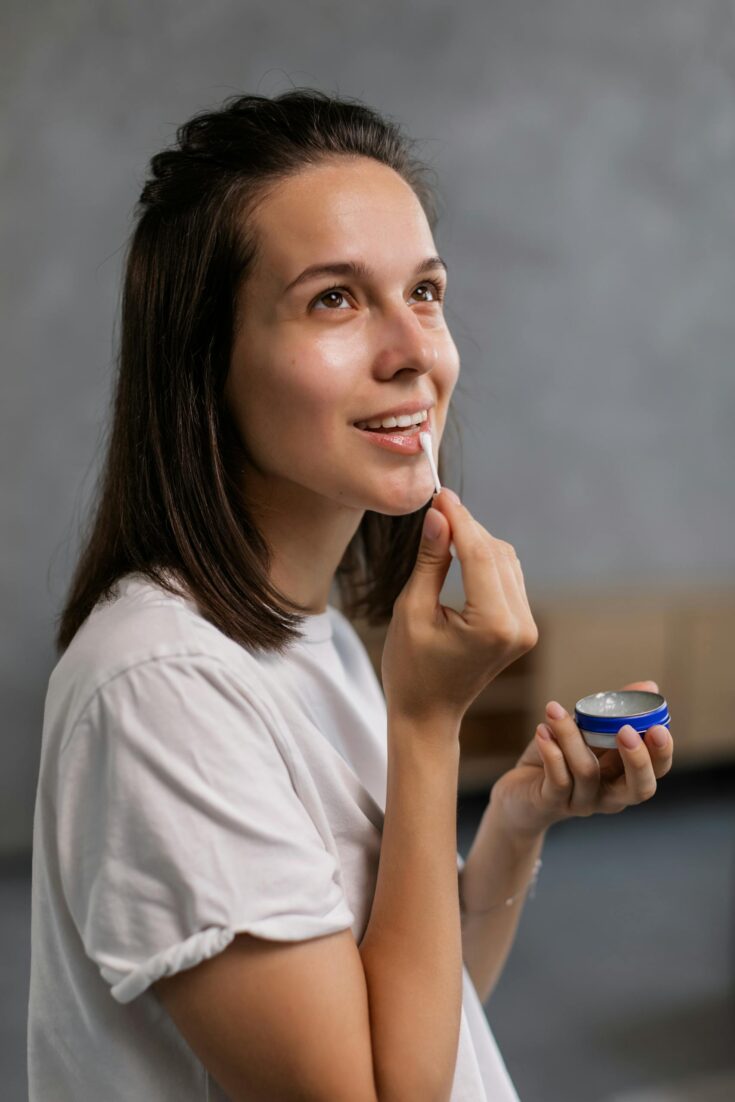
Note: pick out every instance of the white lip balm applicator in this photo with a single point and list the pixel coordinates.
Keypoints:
(425, 442)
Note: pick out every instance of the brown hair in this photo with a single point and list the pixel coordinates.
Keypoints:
(167, 496)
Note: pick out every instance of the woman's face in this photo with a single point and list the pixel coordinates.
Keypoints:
(309, 362)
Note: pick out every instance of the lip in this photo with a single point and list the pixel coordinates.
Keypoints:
(399, 442)
(400, 411)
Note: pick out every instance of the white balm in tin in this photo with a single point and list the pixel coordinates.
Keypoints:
(601, 715)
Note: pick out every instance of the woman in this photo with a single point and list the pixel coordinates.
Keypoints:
(239, 835)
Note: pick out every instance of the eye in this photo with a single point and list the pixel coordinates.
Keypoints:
(437, 288)
(337, 291)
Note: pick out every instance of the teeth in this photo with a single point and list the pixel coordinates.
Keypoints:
(395, 422)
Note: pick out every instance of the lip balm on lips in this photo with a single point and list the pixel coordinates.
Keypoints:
(425, 441)
(601, 715)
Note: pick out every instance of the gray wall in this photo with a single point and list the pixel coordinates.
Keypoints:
(586, 152)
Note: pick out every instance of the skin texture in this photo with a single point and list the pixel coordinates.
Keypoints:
(304, 368)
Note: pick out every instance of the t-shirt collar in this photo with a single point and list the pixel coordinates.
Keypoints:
(316, 628)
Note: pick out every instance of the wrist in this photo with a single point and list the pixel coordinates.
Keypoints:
(437, 732)
(501, 865)
(520, 838)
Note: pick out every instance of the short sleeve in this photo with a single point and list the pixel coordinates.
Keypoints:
(179, 826)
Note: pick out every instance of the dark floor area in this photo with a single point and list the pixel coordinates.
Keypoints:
(621, 983)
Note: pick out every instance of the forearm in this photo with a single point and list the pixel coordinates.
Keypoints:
(412, 948)
(499, 865)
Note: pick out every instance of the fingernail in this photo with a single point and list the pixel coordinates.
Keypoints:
(629, 736)
(544, 731)
(451, 494)
(659, 736)
(432, 524)
(555, 710)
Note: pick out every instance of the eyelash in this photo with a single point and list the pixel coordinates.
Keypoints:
(438, 288)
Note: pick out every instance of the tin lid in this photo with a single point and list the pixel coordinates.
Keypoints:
(607, 712)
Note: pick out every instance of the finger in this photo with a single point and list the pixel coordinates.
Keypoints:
(639, 782)
(510, 574)
(582, 763)
(611, 765)
(430, 569)
(558, 783)
(509, 570)
(483, 587)
(661, 749)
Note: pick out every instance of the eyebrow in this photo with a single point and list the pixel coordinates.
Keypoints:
(359, 269)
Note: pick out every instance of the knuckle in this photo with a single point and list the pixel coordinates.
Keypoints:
(497, 627)
(479, 550)
(558, 797)
(585, 811)
(588, 771)
(513, 636)
(499, 634)
(647, 791)
(505, 548)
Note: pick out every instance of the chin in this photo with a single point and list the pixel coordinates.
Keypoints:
(403, 501)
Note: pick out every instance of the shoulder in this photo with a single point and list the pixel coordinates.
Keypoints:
(142, 627)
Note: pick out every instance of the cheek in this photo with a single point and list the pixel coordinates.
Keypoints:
(448, 360)
(302, 410)
(319, 380)
(319, 417)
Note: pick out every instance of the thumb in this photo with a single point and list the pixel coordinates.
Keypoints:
(434, 558)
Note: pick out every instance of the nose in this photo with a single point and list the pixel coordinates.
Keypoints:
(404, 343)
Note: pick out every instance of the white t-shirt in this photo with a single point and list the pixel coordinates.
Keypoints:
(191, 789)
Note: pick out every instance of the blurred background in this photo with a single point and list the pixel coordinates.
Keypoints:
(585, 154)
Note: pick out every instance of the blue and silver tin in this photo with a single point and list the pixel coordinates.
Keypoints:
(601, 715)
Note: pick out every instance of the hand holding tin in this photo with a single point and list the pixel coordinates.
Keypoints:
(560, 776)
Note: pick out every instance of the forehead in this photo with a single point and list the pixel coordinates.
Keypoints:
(344, 209)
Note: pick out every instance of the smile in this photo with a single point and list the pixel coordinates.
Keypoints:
(402, 439)
(405, 421)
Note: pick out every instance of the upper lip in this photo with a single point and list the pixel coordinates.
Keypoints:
(399, 411)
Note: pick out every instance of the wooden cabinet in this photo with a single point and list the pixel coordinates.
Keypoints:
(591, 641)
(707, 631)
(683, 640)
